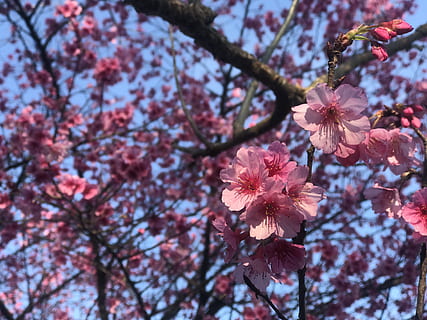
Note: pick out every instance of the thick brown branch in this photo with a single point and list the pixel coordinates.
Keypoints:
(195, 22)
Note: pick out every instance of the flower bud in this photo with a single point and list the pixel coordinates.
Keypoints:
(379, 52)
(417, 107)
(398, 25)
(408, 111)
(405, 122)
(416, 123)
(383, 34)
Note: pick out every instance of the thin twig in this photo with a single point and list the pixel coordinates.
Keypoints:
(244, 110)
(258, 293)
(193, 125)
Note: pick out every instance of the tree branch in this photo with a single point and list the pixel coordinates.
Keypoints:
(195, 22)
(244, 110)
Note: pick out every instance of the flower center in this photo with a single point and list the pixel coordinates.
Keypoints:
(248, 184)
(270, 208)
(274, 166)
(331, 113)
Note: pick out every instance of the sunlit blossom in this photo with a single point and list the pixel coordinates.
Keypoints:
(333, 116)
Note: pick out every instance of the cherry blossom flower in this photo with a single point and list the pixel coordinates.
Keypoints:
(276, 160)
(248, 178)
(256, 313)
(389, 29)
(107, 71)
(90, 191)
(272, 213)
(384, 200)
(415, 213)
(256, 269)
(4, 201)
(69, 9)
(232, 238)
(347, 155)
(333, 116)
(374, 149)
(222, 285)
(401, 151)
(71, 185)
(304, 195)
(285, 256)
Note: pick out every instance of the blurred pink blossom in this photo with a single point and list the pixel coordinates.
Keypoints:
(384, 200)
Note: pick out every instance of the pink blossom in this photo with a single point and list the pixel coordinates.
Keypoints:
(401, 150)
(277, 162)
(283, 255)
(415, 212)
(333, 116)
(232, 238)
(410, 116)
(107, 71)
(384, 200)
(4, 201)
(374, 149)
(90, 191)
(379, 52)
(88, 24)
(71, 185)
(272, 213)
(248, 178)
(69, 9)
(347, 155)
(305, 196)
(255, 268)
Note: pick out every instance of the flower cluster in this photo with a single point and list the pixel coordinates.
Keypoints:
(410, 115)
(274, 198)
(380, 32)
(107, 71)
(386, 31)
(390, 29)
(69, 9)
(387, 200)
(394, 148)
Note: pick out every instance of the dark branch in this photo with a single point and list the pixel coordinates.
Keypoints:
(195, 22)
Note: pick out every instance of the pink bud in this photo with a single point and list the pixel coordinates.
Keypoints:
(408, 111)
(383, 34)
(379, 52)
(398, 25)
(405, 122)
(415, 122)
(401, 26)
(417, 108)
